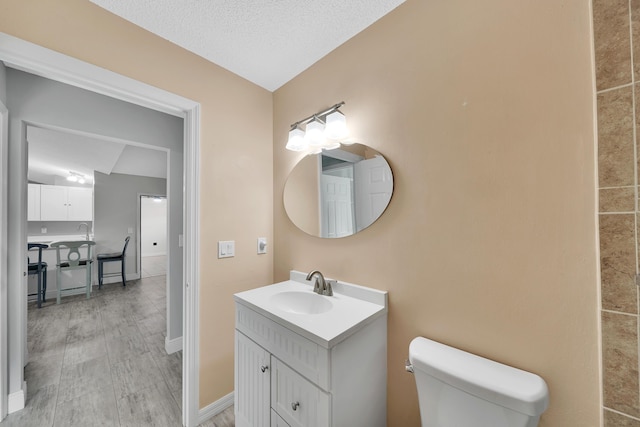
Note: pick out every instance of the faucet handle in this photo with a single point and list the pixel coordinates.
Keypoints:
(316, 287)
(328, 290)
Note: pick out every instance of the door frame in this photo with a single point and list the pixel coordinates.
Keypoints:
(26, 56)
(4, 146)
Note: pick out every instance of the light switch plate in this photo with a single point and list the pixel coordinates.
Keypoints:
(226, 248)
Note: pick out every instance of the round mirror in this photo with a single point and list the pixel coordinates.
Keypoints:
(338, 192)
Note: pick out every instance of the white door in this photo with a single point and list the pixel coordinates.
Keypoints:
(252, 384)
(53, 203)
(336, 206)
(79, 204)
(374, 186)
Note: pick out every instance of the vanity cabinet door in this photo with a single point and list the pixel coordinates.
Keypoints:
(299, 402)
(277, 421)
(252, 379)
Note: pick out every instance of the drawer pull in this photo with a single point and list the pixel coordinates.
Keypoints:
(264, 368)
(295, 405)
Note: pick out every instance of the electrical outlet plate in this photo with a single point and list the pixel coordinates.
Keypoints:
(262, 245)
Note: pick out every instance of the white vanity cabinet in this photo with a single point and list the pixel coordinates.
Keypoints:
(287, 376)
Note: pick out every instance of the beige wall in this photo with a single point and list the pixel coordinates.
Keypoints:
(236, 151)
(484, 111)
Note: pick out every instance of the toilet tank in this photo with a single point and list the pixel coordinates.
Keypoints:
(460, 389)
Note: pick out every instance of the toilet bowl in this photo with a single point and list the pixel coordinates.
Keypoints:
(460, 389)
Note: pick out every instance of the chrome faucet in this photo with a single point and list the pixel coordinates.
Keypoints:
(322, 286)
(87, 227)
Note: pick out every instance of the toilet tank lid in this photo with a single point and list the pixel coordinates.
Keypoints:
(486, 379)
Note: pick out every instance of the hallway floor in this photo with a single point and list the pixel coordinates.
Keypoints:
(102, 362)
(154, 266)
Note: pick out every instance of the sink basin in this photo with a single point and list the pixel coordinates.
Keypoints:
(299, 302)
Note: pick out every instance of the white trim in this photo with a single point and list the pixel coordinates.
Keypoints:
(16, 400)
(34, 59)
(4, 367)
(153, 254)
(213, 409)
(191, 271)
(22, 55)
(172, 346)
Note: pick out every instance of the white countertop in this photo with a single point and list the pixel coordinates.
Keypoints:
(47, 239)
(353, 307)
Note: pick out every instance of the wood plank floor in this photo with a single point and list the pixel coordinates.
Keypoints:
(101, 362)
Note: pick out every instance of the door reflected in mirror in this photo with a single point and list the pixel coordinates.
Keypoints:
(340, 192)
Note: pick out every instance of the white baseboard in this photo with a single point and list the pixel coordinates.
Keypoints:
(171, 346)
(215, 408)
(17, 399)
(153, 254)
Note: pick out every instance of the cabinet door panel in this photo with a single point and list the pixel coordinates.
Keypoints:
(277, 421)
(80, 204)
(299, 402)
(53, 203)
(33, 202)
(252, 372)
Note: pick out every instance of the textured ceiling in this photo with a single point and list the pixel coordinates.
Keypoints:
(265, 41)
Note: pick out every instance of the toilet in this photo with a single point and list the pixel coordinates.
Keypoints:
(460, 389)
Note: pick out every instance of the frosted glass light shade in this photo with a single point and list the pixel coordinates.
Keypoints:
(296, 140)
(336, 127)
(315, 132)
(72, 178)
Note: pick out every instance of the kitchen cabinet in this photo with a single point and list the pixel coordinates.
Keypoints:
(33, 202)
(286, 377)
(60, 203)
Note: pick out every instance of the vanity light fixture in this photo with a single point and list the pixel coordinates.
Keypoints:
(76, 177)
(323, 131)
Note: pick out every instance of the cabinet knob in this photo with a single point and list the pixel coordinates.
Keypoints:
(295, 405)
(263, 368)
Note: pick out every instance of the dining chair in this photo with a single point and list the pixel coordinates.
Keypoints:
(40, 269)
(73, 260)
(111, 257)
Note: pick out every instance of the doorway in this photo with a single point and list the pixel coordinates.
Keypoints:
(153, 235)
(26, 56)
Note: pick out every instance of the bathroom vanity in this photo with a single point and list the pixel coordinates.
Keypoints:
(303, 359)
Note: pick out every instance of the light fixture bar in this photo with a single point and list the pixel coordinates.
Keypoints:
(317, 115)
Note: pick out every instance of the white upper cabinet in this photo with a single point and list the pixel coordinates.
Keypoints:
(79, 204)
(59, 203)
(33, 202)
